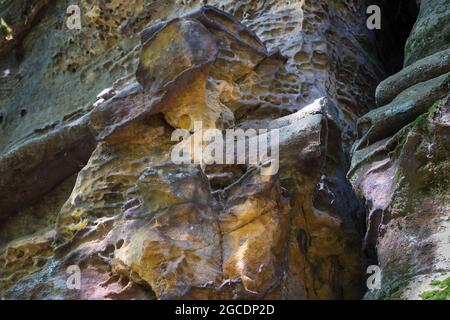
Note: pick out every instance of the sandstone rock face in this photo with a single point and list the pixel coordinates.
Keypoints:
(87, 176)
(431, 31)
(400, 165)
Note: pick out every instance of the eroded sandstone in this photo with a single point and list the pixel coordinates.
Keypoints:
(139, 226)
(86, 119)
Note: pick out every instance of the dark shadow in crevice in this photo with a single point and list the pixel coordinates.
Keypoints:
(398, 18)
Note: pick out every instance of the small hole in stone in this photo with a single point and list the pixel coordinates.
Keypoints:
(1, 119)
(109, 249)
(41, 263)
(124, 281)
(23, 113)
(20, 254)
(72, 67)
(119, 244)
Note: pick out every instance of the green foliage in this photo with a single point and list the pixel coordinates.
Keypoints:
(443, 293)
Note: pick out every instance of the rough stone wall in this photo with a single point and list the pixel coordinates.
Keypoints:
(44, 92)
(401, 162)
(139, 226)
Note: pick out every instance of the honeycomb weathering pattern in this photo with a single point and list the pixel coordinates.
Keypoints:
(86, 118)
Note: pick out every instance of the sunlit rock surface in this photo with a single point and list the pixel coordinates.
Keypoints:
(87, 179)
(401, 165)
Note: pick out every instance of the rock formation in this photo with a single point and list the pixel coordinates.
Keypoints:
(401, 164)
(87, 178)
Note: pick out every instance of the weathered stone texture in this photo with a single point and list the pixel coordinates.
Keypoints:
(99, 106)
(138, 225)
(400, 164)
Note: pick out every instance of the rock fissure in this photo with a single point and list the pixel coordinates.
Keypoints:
(140, 226)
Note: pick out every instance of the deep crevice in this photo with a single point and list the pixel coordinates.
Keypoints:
(398, 18)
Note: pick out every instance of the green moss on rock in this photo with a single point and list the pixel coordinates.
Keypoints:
(443, 293)
(431, 33)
